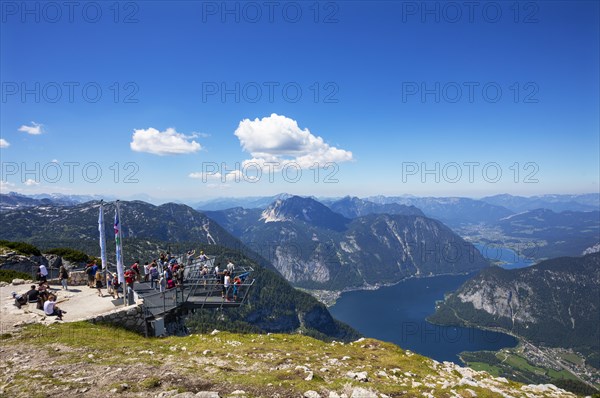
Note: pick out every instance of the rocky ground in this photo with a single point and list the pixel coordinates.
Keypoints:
(42, 357)
(92, 360)
(80, 302)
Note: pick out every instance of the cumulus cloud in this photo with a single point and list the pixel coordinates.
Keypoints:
(6, 186)
(235, 175)
(4, 143)
(34, 129)
(279, 140)
(30, 182)
(168, 142)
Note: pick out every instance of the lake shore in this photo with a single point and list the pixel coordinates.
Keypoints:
(330, 297)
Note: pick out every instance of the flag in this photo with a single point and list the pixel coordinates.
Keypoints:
(102, 238)
(120, 271)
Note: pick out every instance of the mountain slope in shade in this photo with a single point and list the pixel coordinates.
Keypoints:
(557, 203)
(452, 211)
(12, 201)
(314, 247)
(568, 233)
(353, 207)
(554, 303)
(168, 222)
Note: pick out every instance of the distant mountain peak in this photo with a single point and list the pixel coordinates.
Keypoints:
(304, 209)
(352, 207)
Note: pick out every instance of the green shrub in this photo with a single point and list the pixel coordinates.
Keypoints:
(74, 256)
(575, 386)
(7, 275)
(23, 248)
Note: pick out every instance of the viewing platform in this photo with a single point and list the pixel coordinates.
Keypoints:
(197, 292)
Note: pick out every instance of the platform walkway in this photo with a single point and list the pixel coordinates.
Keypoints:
(198, 291)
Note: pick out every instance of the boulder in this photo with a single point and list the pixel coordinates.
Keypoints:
(360, 376)
(311, 394)
(359, 392)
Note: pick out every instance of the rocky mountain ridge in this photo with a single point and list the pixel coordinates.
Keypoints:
(314, 247)
(553, 303)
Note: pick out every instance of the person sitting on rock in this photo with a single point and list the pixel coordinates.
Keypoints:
(33, 295)
(43, 287)
(20, 299)
(51, 309)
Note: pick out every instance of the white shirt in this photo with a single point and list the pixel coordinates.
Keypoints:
(43, 270)
(230, 267)
(49, 307)
(226, 281)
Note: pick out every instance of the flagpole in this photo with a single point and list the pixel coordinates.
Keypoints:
(120, 265)
(103, 242)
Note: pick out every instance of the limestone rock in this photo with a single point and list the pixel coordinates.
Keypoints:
(311, 394)
(360, 376)
(359, 392)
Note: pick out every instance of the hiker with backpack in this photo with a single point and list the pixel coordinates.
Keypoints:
(168, 276)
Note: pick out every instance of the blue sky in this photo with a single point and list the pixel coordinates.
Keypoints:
(192, 99)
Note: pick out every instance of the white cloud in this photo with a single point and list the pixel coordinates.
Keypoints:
(218, 186)
(30, 182)
(6, 186)
(168, 142)
(4, 143)
(235, 175)
(34, 129)
(278, 139)
(205, 176)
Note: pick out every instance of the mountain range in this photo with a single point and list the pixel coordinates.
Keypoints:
(556, 203)
(453, 211)
(275, 306)
(553, 303)
(314, 247)
(554, 234)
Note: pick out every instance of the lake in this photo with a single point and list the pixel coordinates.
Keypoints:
(397, 314)
(507, 258)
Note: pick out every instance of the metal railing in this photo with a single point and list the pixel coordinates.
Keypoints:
(209, 296)
(198, 290)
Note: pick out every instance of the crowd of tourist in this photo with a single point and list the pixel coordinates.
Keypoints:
(164, 273)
